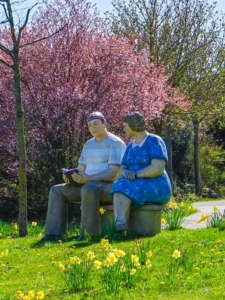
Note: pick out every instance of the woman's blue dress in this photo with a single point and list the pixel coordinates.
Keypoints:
(140, 190)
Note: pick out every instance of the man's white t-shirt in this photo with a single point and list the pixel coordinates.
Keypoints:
(97, 156)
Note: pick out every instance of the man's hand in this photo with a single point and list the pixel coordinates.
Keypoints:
(128, 174)
(80, 177)
(66, 179)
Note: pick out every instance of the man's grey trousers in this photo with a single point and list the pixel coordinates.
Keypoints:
(89, 195)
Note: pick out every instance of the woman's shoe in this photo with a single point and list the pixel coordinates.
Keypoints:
(121, 228)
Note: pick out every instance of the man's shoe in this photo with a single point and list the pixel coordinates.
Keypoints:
(50, 238)
(81, 238)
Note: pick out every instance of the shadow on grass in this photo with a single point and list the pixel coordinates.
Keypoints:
(73, 234)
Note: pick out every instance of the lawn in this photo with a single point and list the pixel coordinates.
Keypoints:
(179, 264)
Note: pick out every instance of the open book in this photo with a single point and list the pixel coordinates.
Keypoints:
(68, 173)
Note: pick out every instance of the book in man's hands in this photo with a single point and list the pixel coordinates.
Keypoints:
(68, 173)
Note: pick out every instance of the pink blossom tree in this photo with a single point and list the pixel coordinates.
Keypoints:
(81, 69)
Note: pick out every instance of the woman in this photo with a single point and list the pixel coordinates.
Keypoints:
(142, 176)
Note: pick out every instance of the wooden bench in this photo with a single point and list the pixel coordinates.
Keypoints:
(143, 221)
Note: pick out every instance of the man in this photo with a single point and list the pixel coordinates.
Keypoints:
(98, 167)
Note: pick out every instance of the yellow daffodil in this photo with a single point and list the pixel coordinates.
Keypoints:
(119, 253)
(40, 295)
(137, 264)
(104, 242)
(134, 258)
(163, 221)
(172, 205)
(148, 263)
(20, 294)
(149, 254)
(90, 255)
(176, 254)
(34, 224)
(31, 294)
(61, 267)
(132, 271)
(215, 208)
(97, 264)
(203, 217)
(15, 226)
(111, 258)
(102, 210)
(75, 260)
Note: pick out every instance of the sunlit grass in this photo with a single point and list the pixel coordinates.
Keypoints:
(179, 264)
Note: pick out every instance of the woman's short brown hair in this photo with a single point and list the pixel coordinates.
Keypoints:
(135, 121)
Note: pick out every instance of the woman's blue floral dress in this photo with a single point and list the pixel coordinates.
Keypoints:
(140, 190)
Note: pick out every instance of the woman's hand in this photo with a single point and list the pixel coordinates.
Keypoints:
(128, 174)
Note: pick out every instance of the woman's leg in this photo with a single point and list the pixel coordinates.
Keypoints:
(121, 205)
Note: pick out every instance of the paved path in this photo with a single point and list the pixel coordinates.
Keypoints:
(203, 208)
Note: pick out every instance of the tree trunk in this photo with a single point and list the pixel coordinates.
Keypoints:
(198, 182)
(169, 167)
(21, 149)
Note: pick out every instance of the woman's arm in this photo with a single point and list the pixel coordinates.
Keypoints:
(154, 170)
(128, 174)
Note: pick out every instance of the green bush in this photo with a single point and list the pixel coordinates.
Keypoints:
(212, 172)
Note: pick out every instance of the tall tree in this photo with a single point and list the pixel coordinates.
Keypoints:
(176, 33)
(204, 84)
(81, 69)
(11, 58)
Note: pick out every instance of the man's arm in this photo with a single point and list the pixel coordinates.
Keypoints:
(108, 175)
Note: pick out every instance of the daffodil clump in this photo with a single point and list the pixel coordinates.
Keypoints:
(108, 224)
(216, 219)
(117, 269)
(174, 215)
(12, 230)
(3, 254)
(180, 263)
(77, 272)
(30, 295)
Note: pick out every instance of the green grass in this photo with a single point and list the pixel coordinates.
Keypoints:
(199, 272)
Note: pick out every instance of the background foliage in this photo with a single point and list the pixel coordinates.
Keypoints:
(83, 68)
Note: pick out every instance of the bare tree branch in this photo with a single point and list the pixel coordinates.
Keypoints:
(10, 20)
(5, 63)
(5, 10)
(6, 50)
(25, 22)
(44, 38)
